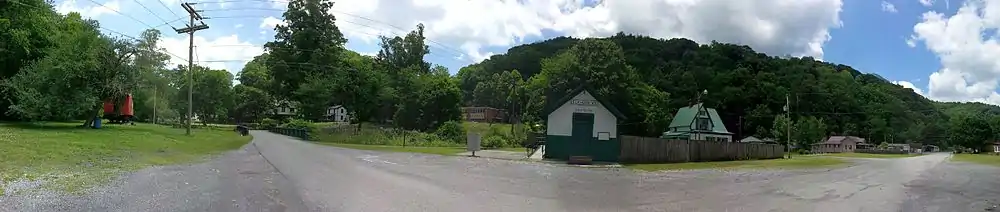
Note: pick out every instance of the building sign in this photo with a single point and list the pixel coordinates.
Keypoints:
(582, 102)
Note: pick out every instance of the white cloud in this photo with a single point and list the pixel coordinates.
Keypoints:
(226, 48)
(909, 85)
(270, 22)
(911, 42)
(780, 27)
(968, 48)
(927, 3)
(889, 7)
(238, 26)
(90, 10)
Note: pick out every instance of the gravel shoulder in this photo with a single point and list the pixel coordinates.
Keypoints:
(326, 178)
(236, 181)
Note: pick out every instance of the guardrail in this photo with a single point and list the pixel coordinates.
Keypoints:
(298, 133)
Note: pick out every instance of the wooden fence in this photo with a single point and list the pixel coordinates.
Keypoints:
(657, 150)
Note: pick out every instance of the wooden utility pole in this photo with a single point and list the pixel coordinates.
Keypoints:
(190, 29)
(154, 104)
(788, 124)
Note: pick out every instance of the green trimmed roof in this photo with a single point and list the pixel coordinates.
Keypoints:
(552, 106)
(685, 117)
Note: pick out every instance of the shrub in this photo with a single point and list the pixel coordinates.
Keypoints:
(298, 124)
(493, 142)
(268, 123)
(451, 131)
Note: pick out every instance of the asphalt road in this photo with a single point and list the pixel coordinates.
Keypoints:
(311, 177)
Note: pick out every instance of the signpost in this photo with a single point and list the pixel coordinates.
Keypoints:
(472, 143)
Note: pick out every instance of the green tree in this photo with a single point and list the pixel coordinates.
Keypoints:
(250, 103)
(308, 46)
(972, 131)
(213, 94)
(780, 129)
(809, 130)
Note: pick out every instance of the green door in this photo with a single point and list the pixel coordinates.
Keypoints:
(583, 134)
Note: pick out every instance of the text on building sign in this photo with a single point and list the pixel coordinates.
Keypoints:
(583, 102)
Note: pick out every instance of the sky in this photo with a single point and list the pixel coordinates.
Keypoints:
(946, 50)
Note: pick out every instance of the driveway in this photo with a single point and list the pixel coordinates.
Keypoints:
(312, 177)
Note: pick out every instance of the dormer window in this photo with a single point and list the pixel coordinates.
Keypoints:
(703, 124)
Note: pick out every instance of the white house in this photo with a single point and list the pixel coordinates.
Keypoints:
(338, 114)
(284, 108)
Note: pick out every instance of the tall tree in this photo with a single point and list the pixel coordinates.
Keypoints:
(308, 45)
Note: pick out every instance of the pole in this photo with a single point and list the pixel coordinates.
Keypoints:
(187, 129)
(154, 104)
(788, 123)
(190, 29)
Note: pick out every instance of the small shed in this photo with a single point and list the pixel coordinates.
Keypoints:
(582, 124)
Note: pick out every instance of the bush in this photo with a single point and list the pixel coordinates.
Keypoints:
(268, 123)
(493, 142)
(298, 124)
(451, 131)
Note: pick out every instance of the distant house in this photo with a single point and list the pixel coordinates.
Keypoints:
(904, 147)
(837, 144)
(993, 147)
(751, 139)
(482, 114)
(337, 113)
(698, 122)
(284, 108)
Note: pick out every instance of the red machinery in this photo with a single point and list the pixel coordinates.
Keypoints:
(118, 113)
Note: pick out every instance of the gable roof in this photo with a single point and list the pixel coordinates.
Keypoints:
(840, 139)
(552, 106)
(685, 117)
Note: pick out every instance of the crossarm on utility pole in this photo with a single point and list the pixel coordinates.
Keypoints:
(190, 29)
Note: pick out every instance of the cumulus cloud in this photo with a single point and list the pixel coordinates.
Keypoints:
(927, 3)
(270, 22)
(89, 10)
(779, 27)
(210, 51)
(907, 84)
(968, 48)
(888, 7)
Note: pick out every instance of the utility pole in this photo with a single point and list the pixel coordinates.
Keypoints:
(154, 104)
(788, 124)
(190, 29)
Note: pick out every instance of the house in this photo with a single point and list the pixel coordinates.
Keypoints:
(751, 139)
(993, 147)
(903, 147)
(482, 114)
(284, 108)
(837, 144)
(337, 113)
(582, 124)
(698, 122)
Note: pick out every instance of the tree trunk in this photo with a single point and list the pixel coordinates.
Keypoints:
(90, 119)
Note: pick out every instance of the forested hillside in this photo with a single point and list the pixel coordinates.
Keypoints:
(650, 78)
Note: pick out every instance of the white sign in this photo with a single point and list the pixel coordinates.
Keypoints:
(603, 136)
(583, 102)
(472, 142)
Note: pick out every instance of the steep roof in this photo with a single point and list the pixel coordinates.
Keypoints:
(840, 139)
(685, 116)
(552, 106)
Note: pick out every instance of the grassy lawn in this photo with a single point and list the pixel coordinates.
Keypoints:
(793, 163)
(71, 158)
(412, 149)
(978, 158)
(867, 155)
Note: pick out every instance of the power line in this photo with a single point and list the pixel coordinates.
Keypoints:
(443, 46)
(439, 46)
(168, 9)
(123, 14)
(106, 29)
(151, 12)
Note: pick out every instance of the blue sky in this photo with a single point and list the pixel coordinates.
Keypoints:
(945, 50)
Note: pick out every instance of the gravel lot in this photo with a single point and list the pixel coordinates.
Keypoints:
(322, 178)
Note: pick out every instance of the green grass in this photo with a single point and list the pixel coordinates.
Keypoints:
(796, 162)
(70, 158)
(484, 128)
(425, 150)
(985, 159)
(868, 155)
